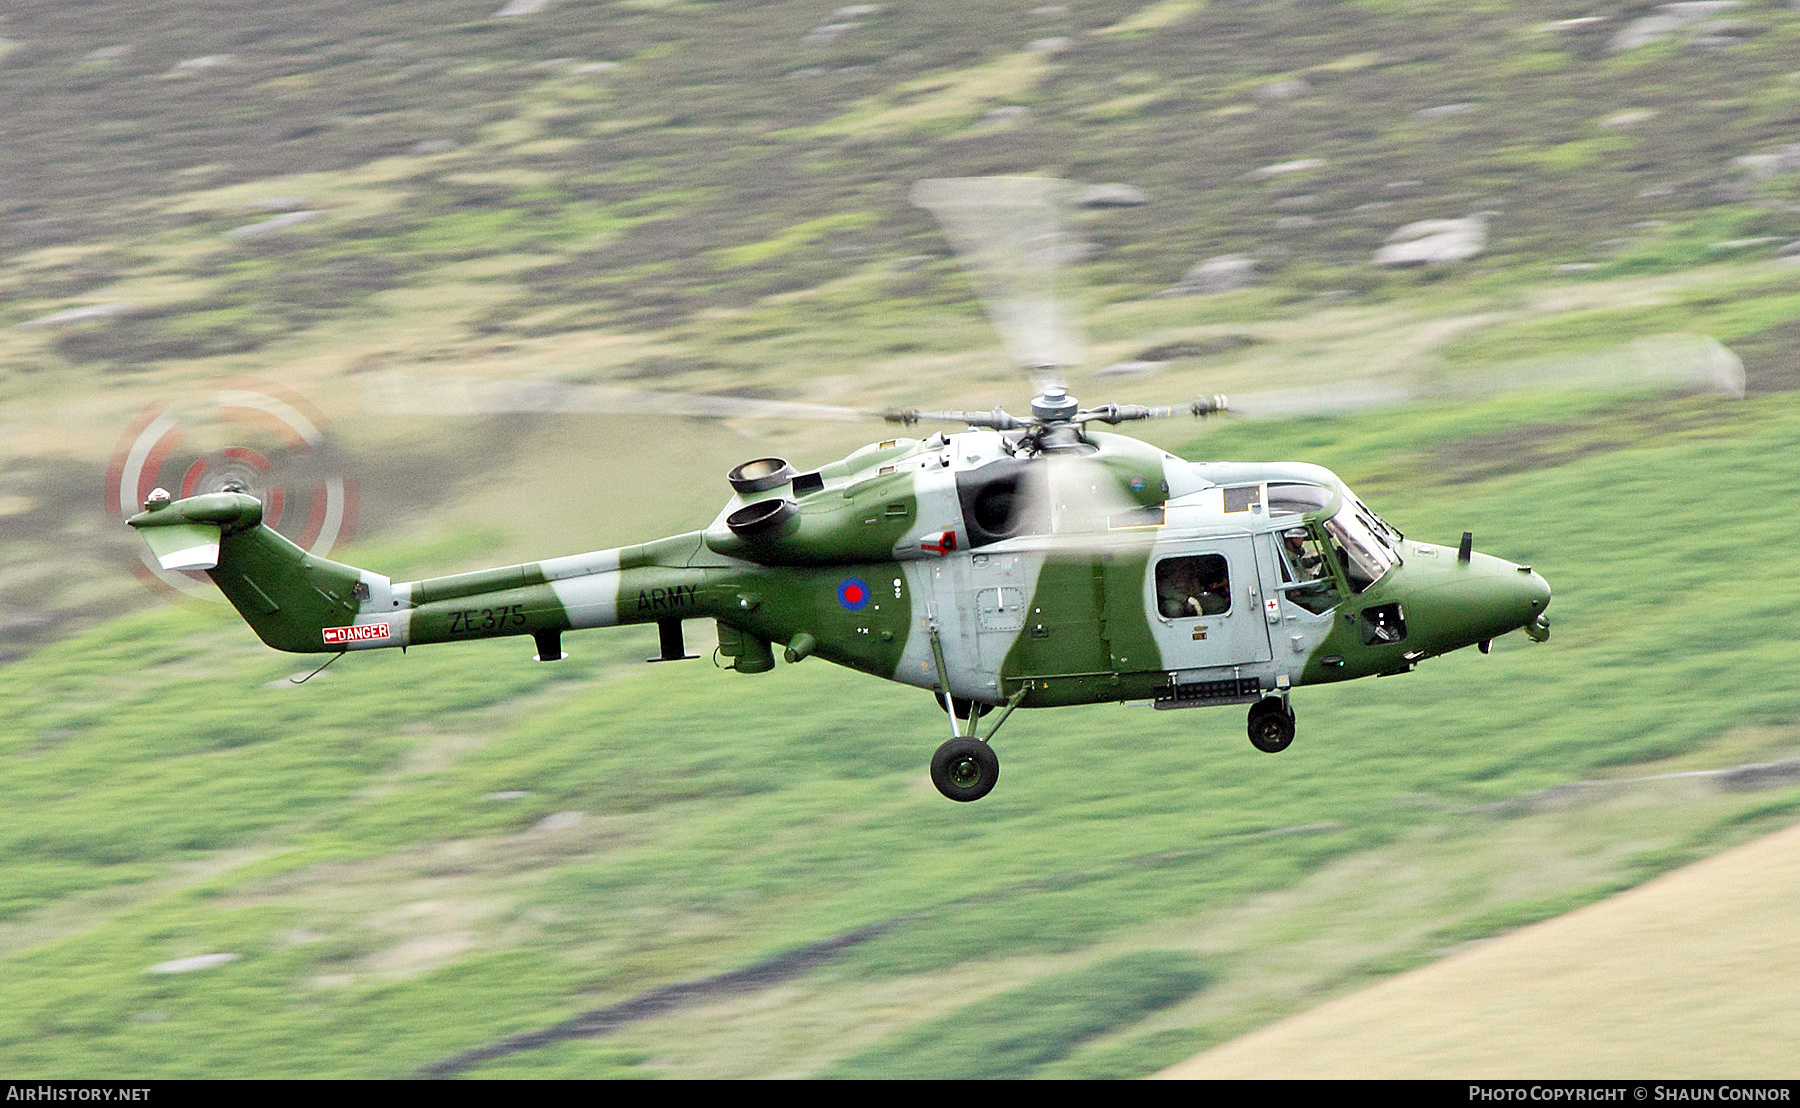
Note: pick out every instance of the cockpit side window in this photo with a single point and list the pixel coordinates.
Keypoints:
(1305, 573)
(1364, 554)
(1193, 586)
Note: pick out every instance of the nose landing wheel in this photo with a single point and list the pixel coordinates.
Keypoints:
(965, 769)
(1271, 725)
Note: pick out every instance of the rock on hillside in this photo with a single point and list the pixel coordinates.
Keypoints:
(1435, 242)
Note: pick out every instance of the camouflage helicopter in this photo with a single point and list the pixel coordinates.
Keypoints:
(1025, 561)
(960, 563)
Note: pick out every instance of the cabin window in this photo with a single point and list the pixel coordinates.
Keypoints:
(1193, 586)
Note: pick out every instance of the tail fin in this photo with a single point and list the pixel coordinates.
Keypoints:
(289, 597)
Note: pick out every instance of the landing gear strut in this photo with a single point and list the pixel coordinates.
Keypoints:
(1271, 725)
(966, 767)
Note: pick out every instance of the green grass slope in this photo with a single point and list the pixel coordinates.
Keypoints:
(416, 855)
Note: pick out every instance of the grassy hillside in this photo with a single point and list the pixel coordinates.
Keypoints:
(457, 861)
(416, 856)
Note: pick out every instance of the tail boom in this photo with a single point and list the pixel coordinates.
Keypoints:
(301, 603)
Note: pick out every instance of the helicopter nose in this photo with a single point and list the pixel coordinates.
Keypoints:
(1538, 591)
(1477, 601)
(1532, 596)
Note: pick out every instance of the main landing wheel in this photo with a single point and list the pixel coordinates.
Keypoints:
(965, 769)
(1271, 725)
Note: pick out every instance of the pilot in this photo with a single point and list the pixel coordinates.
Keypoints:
(1310, 565)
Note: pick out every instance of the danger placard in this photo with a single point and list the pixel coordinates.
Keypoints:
(362, 632)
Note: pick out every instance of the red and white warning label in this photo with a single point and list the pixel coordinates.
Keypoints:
(362, 632)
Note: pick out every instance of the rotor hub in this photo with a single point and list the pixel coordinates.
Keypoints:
(1054, 405)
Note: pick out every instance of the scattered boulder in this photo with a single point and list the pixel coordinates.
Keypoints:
(1076, 251)
(846, 18)
(1298, 165)
(1445, 111)
(1576, 23)
(1732, 246)
(1770, 164)
(1048, 45)
(521, 7)
(558, 821)
(1435, 242)
(1224, 273)
(1277, 92)
(1112, 196)
(197, 962)
(827, 33)
(87, 313)
(269, 226)
(1631, 117)
(205, 61)
(1666, 20)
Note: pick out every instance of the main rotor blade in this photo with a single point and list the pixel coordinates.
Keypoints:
(402, 394)
(1674, 362)
(1007, 234)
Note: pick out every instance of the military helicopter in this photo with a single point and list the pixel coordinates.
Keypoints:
(1026, 561)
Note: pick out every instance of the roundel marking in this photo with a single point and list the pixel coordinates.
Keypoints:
(854, 594)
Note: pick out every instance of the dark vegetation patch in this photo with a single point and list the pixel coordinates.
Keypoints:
(1196, 348)
(1771, 358)
(1015, 1033)
(603, 1021)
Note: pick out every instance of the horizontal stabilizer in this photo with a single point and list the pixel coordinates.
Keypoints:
(184, 545)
